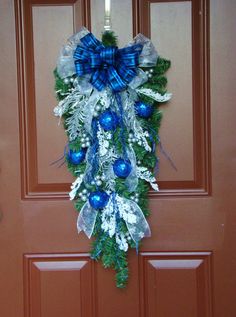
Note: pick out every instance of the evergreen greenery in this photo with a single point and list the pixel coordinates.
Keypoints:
(109, 38)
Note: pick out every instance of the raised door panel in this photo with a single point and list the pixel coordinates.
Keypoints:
(185, 130)
(176, 284)
(40, 35)
(59, 285)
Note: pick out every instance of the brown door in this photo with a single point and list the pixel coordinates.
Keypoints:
(188, 267)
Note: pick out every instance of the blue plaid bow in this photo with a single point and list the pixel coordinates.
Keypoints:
(107, 65)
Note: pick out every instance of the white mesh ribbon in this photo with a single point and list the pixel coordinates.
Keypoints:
(132, 180)
(148, 56)
(87, 219)
(140, 78)
(65, 62)
(127, 209)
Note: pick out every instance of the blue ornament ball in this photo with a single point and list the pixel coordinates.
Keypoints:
(98, 199)
(76, 157)
(108, 120)
(143, 110)
(122, 168)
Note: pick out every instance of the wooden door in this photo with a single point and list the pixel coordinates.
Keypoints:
(188, 267)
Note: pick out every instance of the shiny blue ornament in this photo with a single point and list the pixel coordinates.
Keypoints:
(98, 199)
(143, 110)
(122, 168)
(76, 157)
(109, 120)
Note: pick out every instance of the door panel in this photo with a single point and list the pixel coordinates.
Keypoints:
(187, 268)
(183, 279)
(59, 285)
(173, 134)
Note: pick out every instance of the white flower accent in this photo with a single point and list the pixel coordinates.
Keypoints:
(72, 100)
(106, 98)
(125, 211)
(103, 140)
(109, 219)
(154, 95)
(74, 123)
(144, 173)
(122, 242)
(141, 136)
(75, 186)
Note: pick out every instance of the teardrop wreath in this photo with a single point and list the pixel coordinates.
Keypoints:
(108, 99)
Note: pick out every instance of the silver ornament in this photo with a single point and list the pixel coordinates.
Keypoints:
(75, 82)
(84, 198)
(99, 183)
(98, 107)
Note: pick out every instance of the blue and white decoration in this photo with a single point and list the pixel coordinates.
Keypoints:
(106, 120)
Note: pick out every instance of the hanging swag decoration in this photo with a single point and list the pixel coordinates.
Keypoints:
(108, 99)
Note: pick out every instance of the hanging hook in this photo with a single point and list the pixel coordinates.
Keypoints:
(107, 17)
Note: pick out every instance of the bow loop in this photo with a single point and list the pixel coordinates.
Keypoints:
(116, 82)
(108, 54)
(91, 42)
(130, 55)
(99, 79)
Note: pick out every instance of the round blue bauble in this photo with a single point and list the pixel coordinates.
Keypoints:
(143, 110)
(122, 168)
(108, 120)
(76, 157)
(98, 199)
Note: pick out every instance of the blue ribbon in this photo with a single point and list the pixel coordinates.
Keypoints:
(107, 65)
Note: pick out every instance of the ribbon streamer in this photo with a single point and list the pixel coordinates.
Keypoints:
(87, 219)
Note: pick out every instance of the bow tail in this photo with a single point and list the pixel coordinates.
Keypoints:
(138, 228)
(116, 82)
(87, 219)
(99, 79)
